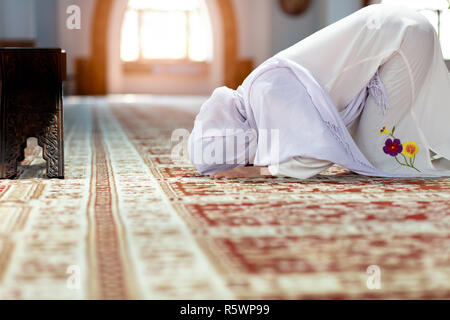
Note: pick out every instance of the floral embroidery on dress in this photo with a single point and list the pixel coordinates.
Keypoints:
(394, 148)
(384, 130)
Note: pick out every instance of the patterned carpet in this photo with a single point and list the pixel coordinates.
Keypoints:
(133, 224)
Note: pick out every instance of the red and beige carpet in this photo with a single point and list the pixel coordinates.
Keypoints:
(129, 223)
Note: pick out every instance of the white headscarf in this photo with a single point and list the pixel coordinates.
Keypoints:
(222, 138)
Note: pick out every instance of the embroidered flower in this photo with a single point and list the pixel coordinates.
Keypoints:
(385, 130)
(392, 147)
(410, 149)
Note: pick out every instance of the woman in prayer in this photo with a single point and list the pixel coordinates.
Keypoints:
(370, 92)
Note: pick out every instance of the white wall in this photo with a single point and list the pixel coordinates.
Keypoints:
(46, 23)
(267, 30)
(259, 22)
(288, 30)
(336, 10)
(17, 19)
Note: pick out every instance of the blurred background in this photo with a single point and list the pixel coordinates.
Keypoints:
(176, 46)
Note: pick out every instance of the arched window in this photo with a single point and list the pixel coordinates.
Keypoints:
(166, 30)
(438, 13)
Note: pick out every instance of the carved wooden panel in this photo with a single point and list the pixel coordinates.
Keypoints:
(31, 106)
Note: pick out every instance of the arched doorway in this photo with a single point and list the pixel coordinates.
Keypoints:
(92, 76)
(161, 30)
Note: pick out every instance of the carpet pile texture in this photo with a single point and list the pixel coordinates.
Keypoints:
(128, 222)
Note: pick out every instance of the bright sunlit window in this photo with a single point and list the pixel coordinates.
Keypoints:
(166, 30)
(438, 13)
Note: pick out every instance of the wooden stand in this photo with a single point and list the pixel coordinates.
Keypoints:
(31, 106)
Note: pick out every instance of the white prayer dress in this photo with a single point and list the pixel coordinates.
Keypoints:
(370, 92)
